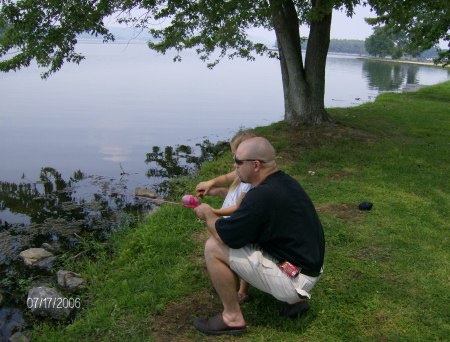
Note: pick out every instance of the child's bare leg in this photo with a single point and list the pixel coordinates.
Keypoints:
(243, 291)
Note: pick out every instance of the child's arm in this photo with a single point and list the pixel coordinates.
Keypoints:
(231, 209)
(225, 211)
(214, 186)
(217, 191)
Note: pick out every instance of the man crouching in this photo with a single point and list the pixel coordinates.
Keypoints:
(274, 241)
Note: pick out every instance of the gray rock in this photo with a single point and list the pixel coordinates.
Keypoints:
(52, 248)
(69, 280)
(145, 193)
(46, 302)
(19, 337)
(37, 257)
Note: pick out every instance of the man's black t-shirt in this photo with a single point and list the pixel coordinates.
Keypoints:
(279, 216)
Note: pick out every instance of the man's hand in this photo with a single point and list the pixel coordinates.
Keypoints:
(203, 211)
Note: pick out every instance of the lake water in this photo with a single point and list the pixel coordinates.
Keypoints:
(103, 116)
(67, 143)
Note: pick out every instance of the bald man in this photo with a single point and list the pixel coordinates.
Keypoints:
(274, 241)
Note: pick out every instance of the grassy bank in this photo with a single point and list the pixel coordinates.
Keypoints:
(386, 270)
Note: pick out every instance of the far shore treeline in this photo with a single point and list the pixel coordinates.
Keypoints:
(344, 46)
(348, 46)
(357, 47)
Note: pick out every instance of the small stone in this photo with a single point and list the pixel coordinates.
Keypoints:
(44, 301)
(52, 248)
(37, 257)
(145, 193)
(69, 280)
(19, 337)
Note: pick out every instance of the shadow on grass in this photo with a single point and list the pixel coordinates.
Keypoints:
(261, 313)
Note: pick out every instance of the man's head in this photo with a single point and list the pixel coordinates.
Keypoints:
(255, 160)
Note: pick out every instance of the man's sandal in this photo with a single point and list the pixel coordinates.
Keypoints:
(216, 326)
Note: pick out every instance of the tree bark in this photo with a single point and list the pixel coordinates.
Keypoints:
(303, 84)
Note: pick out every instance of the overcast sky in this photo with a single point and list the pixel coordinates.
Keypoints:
(342, 27)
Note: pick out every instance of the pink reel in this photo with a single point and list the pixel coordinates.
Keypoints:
(190, 201)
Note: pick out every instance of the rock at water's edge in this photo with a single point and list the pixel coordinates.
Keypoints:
(46, 302)
(37, 257)
(145, 193)
(69, 280)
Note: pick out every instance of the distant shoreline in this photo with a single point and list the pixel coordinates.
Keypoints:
(136, 40)
(430, 64)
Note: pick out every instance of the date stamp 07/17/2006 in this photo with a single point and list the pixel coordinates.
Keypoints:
(53, 303)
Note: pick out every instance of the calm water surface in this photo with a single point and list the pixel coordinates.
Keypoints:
(103, 116)
(67, 143)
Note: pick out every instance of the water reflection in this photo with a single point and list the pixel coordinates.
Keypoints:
(39, 204)
(411, 75)
(389, 76)
(60, 213)
(169, 161)
(180, 160)
(55, 211)
(58, 208)
(58, 217)
(10, 320)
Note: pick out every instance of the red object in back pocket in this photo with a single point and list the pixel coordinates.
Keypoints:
(291, 270)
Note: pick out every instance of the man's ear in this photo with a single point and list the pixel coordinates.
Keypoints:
(257, 166)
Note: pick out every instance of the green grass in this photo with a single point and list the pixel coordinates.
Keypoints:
(386, 270)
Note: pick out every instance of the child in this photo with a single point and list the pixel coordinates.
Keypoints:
(233, 196)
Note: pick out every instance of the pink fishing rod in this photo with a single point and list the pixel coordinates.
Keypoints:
(188, 201)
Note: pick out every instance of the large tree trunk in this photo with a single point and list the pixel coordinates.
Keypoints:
(303, 85)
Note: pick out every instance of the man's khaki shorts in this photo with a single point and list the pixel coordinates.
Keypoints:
(261, 271)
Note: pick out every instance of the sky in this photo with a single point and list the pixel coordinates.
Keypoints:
(342, 27)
